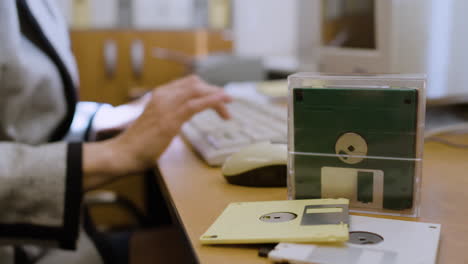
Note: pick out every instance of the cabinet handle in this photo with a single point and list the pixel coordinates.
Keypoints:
(137, 54)
(110, 58)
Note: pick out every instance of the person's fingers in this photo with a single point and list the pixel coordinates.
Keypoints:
(196, 90)
(215, 101)
(184, 80)
(189, 88)
(221, 108)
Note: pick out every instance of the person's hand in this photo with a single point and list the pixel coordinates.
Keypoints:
(138, 147)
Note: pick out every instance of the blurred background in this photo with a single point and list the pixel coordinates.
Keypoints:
(126, 47)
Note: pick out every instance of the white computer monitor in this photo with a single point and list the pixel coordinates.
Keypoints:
(392, 36)
(355, 36)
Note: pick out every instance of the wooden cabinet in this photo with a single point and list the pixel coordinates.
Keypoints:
(107, 64)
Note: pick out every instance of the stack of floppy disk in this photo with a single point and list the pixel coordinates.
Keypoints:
(321, 231)
(354, 142)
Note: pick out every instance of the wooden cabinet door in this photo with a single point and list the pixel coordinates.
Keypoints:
(101, 58)
(96, 50)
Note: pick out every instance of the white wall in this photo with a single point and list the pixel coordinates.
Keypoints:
(448, 52)
(102, 13)
(432, 37)
(284, 32)
(173, 14)
(265, 27)
(163, 13)
(410, 38)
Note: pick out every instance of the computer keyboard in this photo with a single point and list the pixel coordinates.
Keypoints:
(216, 139)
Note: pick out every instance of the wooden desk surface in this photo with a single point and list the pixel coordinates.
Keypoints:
(200, 194)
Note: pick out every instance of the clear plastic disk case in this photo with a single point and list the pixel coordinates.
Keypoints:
(358, 137)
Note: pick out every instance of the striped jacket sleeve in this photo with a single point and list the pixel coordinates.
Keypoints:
(40, 194)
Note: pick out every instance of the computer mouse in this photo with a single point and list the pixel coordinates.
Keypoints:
(260, 165)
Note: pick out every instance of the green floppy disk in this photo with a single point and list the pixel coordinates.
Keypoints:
(366, 136)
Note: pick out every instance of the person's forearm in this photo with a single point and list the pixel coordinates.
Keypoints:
(97, 164)
(102, 163)
(105, 161)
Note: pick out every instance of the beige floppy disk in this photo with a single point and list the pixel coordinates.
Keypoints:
(313, 220)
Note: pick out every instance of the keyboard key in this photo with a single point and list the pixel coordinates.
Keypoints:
(227, 139)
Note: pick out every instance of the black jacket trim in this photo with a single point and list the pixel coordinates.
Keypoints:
(73, 196)
(37, 36)
(30, 232)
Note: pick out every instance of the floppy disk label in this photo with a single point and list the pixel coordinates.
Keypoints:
(363, 187)
(325, 215)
